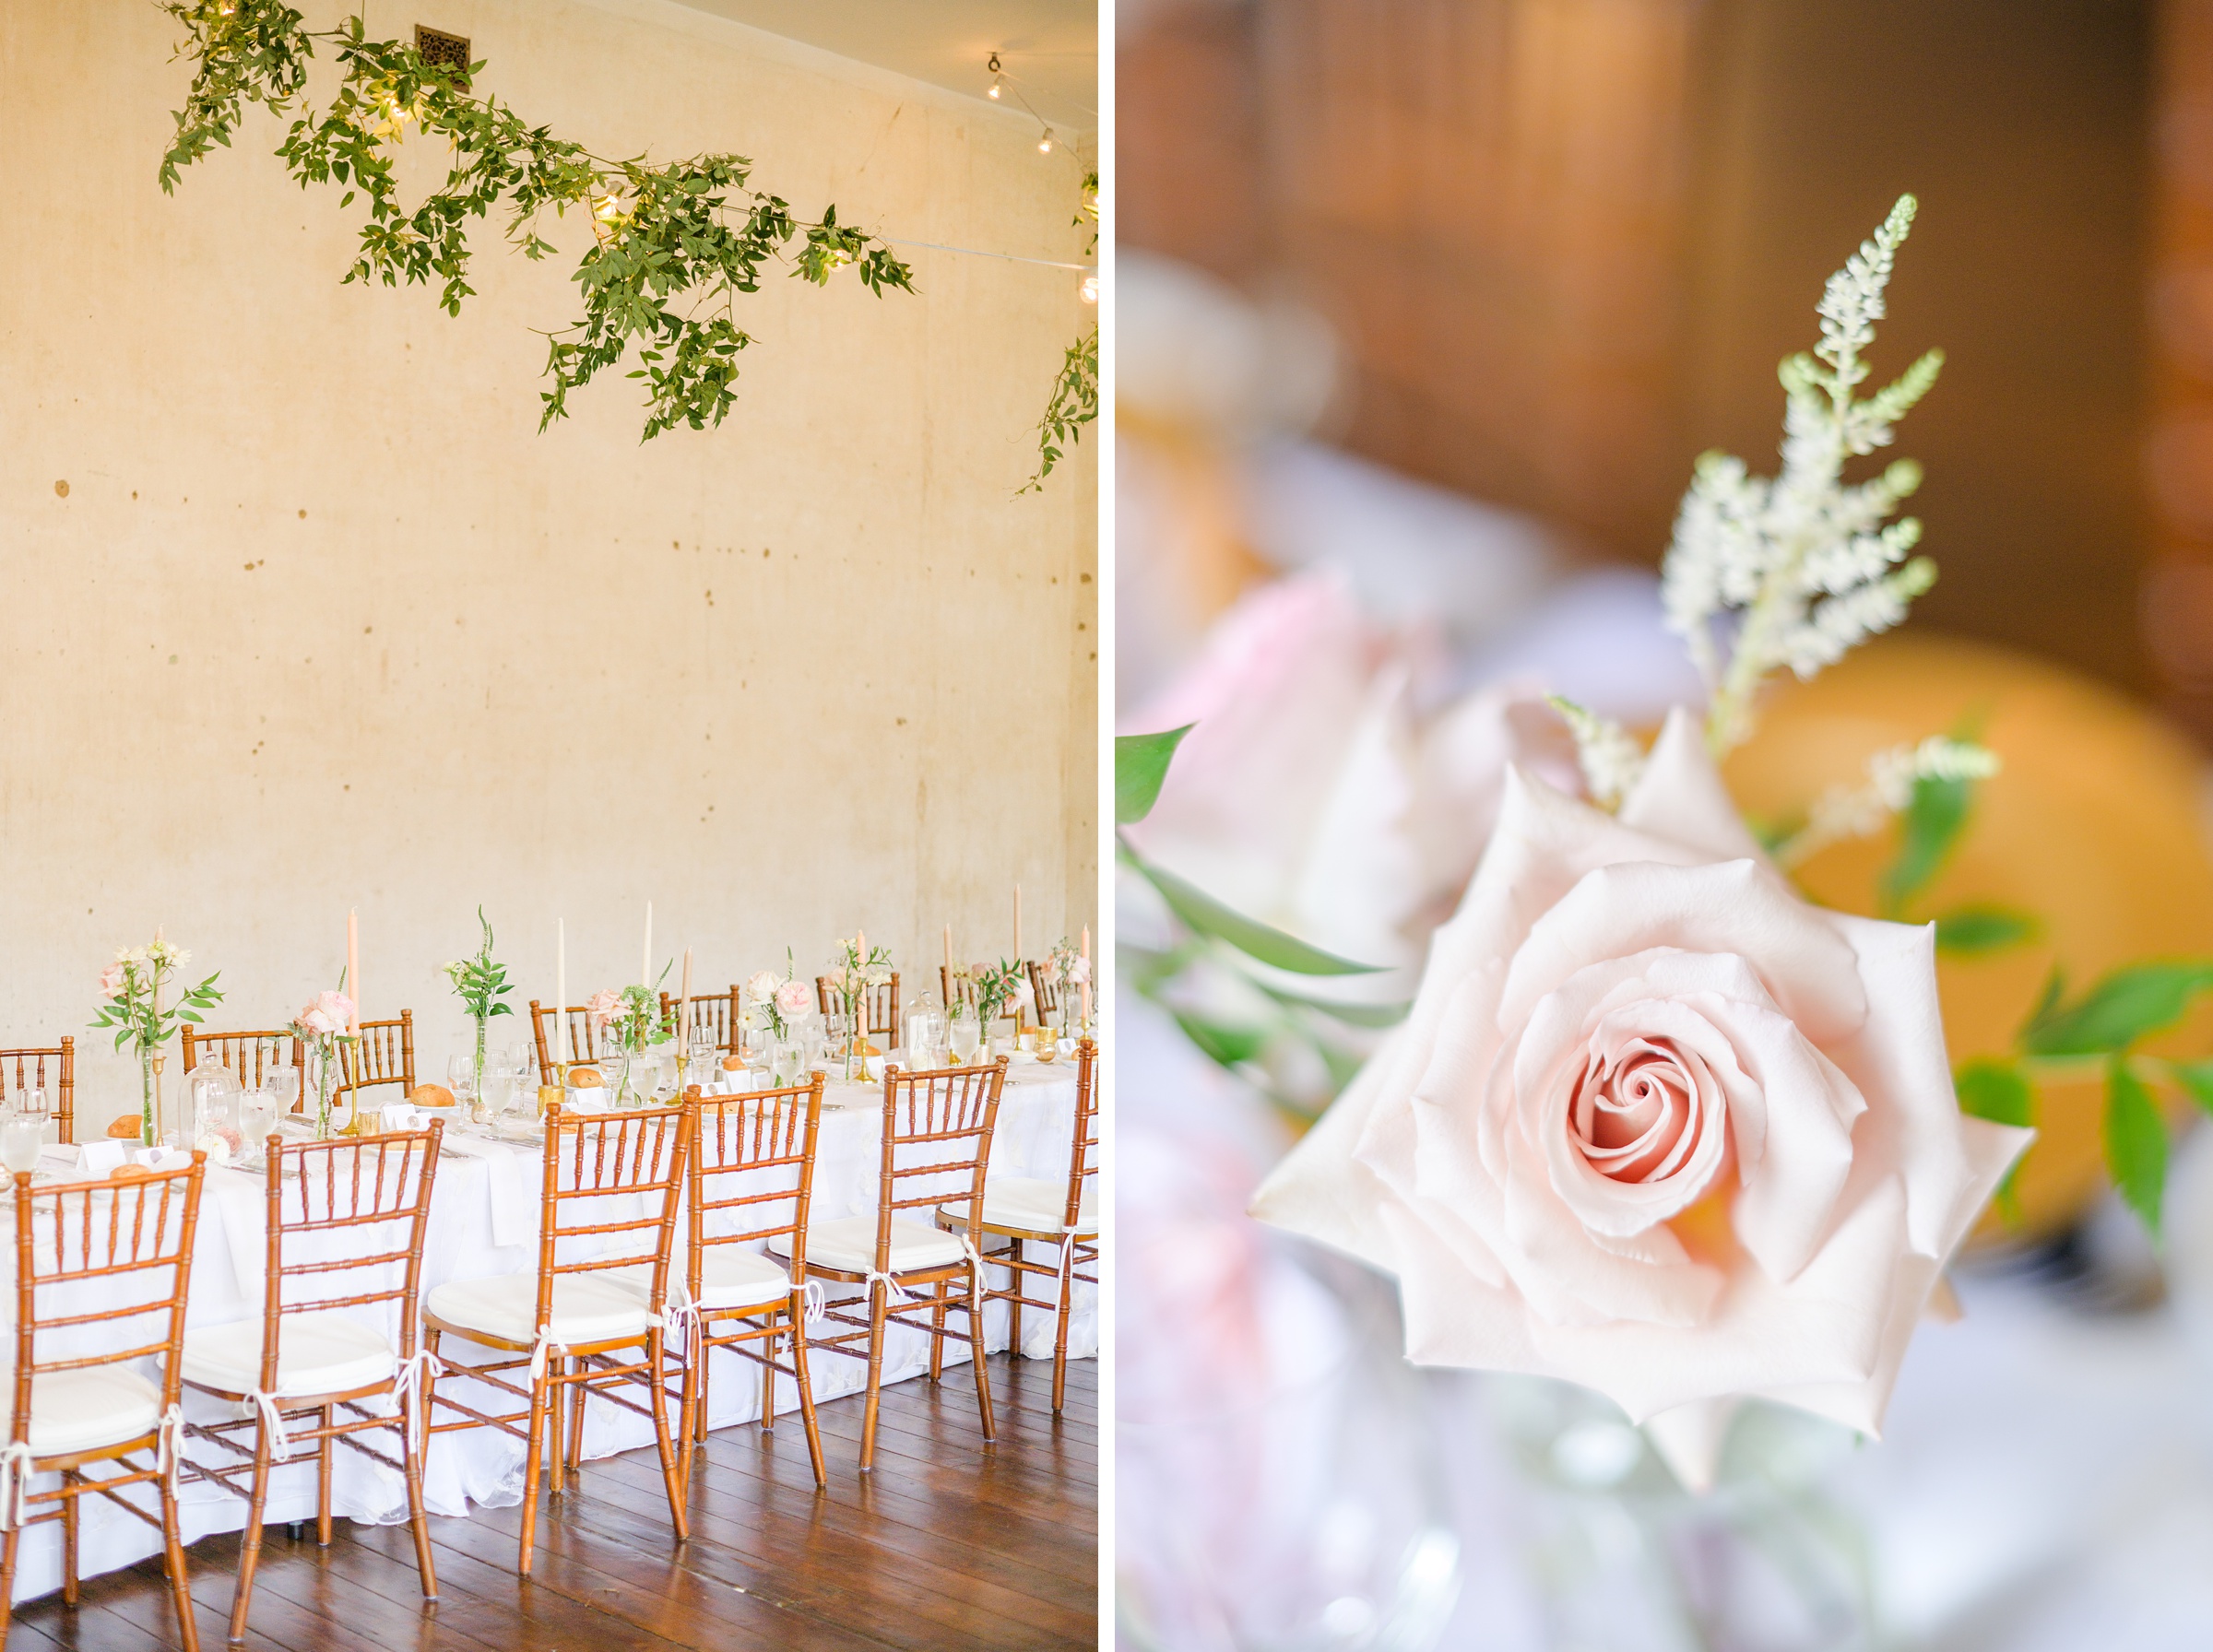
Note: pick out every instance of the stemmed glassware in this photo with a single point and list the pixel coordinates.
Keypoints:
(22, 1134)
(501, 1084)
(964, 1034)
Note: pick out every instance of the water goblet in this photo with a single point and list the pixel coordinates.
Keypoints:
(37, 1102)
(963, 1033)
(283, 1085)
(501, 1087)
(21, 1136)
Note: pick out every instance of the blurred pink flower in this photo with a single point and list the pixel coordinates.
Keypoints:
(793, 997)
(1314, 793)
(600, 1005)
(327, 1012)
(110, 981)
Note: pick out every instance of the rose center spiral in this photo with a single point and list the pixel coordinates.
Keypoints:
(1638, 1116)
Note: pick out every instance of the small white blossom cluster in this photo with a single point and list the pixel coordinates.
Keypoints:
(1609, 755)
(1865, 809)
(1813, 565)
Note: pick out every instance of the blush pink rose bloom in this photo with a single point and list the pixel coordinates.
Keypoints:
(1657, 1126)
(327, 1012)
(110, 981)
(793, 997)
(600, 1005)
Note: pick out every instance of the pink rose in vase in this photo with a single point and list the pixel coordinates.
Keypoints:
(794, 999)
(600, 1007)
(110, 981)
(327, 1012)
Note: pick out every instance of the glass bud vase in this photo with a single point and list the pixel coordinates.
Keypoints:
(146, 1095)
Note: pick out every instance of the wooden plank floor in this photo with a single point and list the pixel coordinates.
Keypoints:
(945, 1545)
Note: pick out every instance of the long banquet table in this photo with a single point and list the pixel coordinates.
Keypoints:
(484, 1220)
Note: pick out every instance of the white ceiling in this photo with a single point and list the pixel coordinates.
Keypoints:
(1050, 48)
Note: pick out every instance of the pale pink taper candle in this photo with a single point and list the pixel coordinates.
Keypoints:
(353, 964)
(1087, 976)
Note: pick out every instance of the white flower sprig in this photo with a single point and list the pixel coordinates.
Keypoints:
(1850, 811)
(1609, 754)
(1812, 564)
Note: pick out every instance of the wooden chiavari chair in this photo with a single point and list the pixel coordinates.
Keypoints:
(99, 1239)
(54, 1070)
(737, 1297)
(879, 1007)
(1026, 1210)
(383, 1059)
(943, 1121)
(335, 1208)
(1042, 990)
(545, 1028)
(566, 1322)
(250, 1056)
(716, 1022)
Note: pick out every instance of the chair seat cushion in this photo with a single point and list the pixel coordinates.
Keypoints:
(82, 1410)
(848, 1245)
(730, 1277)
(1034, 1205)
(588, 1307)
(316, 1353)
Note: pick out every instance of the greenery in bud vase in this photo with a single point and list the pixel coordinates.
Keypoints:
(1070, 972)
(326, 1026)
(634, 1024)
(131, 988)
(480, 984)
(999, 990)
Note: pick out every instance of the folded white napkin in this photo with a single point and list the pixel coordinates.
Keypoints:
(585, 1100)
(510, 1189)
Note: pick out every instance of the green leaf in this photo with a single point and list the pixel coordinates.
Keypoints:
(1202, 912)
(2135, 1142)
(1229, 1046)
(1973, 931)
(1352, 1015)
(2120, 1009)
(1141, 763)
(1996, 1089)
(2196, 1080)
(1930, 826)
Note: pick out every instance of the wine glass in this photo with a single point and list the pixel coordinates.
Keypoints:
(257, 1112)
(21, 1136)
(501, 1085)
(34, 1100)
(283, 1085)
(965, 1033)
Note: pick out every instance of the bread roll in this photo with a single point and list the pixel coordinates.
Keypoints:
(733, 1064)
(431, 1095)
(129, 1173)
(585, 1078)
(124, 1128)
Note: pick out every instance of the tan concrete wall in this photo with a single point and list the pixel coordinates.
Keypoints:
(321, 621)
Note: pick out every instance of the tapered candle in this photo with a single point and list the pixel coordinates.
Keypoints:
(1086, 995)
(1018, 922)
(949, 949)
(645, 958)
(561, 994)
(683, 1011)
(353, 964)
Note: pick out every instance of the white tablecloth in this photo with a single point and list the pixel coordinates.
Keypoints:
(484, 1218)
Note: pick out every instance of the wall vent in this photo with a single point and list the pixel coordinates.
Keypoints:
(442, 50)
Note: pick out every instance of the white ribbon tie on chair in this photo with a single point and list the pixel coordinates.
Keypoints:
(272, 1419)
(14, 1484)
(893, 1292)
(169, 1447)
(414, 1371)
(540, 1350)
(815, 1301)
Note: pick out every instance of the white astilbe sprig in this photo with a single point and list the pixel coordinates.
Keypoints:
(1813, 565)
(1850, 811)
(1610, 757)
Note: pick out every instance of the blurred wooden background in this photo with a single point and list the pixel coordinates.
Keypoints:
(1564, 242)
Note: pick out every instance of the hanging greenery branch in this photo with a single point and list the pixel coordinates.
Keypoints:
(1074, 402)
(688, 233)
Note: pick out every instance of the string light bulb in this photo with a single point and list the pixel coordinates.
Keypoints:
(999, 79)
(1090, 289)
(1044, 143)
